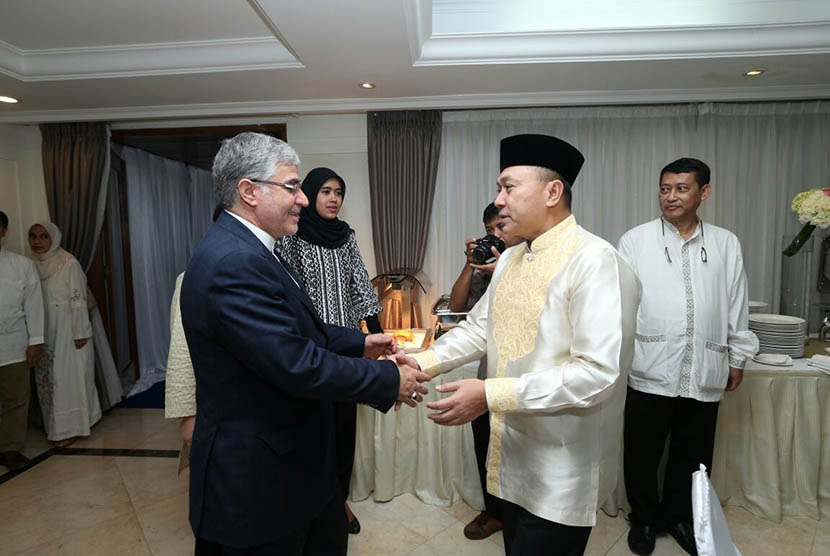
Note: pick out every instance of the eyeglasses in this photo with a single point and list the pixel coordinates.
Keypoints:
(703, 255)
(292, 186)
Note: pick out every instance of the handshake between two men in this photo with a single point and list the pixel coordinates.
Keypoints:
(410, 389)
(467, 402)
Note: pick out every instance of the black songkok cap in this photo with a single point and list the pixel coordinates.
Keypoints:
(542, 150)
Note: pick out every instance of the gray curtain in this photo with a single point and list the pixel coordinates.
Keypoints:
(76, 160)
(403, 162)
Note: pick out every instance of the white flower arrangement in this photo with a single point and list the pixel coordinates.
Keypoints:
(813, 207)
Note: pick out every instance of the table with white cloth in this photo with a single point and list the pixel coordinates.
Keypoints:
(404, 452)
(772, 448)
(772, 444)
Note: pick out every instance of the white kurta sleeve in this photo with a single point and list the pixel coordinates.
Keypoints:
(76, 281)
(180, 386)
(588, 376)
(742, 342)
(626, 248)
(465, 343)
(33, 306)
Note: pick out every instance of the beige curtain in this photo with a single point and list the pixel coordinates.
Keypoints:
(403, 162)
(76, 160)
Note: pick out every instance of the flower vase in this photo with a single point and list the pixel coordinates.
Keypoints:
(799, 240)
(797, 281)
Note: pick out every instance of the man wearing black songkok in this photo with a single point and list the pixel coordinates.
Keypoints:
(557, 326)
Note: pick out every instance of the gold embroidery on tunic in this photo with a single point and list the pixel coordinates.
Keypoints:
(502, 394)
(518, 302)
(428, 361)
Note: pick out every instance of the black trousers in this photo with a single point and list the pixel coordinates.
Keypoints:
(649, 418)
(345, 417)
(526, 534)
(481, 440)
(326, 535)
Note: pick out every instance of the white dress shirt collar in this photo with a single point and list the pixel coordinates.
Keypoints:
(267, 240)
(670, 227)
(260, 234)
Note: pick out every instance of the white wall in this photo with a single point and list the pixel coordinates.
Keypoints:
(22, 190)
(338, 141)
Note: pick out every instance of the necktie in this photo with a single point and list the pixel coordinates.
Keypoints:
(285, 267)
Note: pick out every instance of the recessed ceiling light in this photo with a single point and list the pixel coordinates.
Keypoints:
(8, 100)
(753, 73)
(367, 85)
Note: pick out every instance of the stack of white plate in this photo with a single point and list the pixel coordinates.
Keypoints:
(779, 333)
(758, 306)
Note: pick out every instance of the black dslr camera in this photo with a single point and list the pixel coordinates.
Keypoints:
(481, 252)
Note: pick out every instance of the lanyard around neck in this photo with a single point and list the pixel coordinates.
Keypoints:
(704, 257)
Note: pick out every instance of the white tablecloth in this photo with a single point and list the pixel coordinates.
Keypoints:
(772, 448)
(405, 452)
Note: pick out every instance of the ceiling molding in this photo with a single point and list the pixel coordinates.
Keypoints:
(11, 114)
(138, 60)
(666, 43)
(418, 15)
(268, 22)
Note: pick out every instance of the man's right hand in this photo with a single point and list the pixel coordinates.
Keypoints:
(411, 379)
(489, 267)
(470, 244)
(33, 354)
(186, 428)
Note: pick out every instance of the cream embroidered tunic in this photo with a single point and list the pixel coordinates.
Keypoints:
(557, 326)
(180, 385)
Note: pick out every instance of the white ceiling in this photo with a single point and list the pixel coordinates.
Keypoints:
(527, 16)
(155, 59)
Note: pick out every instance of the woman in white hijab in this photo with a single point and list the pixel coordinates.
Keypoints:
(65, 376)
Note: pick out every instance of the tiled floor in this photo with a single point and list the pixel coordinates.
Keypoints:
(119, 505)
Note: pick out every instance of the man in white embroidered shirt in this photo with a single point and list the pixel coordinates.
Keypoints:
(21, 341)
(692, 343)
(557, 326)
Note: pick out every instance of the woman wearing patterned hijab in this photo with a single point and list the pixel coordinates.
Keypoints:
(65, 375)
(325, 254)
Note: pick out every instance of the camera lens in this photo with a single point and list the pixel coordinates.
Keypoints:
(480, 254)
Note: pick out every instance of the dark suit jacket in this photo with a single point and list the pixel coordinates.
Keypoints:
(267, 369)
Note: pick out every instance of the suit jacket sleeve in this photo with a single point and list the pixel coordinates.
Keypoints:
(250, 312)
(345, 341)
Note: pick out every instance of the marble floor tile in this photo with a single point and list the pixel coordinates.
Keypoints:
(167, 437)
(759, 537)
(166, 527)
(57, 471)
(606, 533)
(120, 535)
(31, 515)
(36, 443)
(497, 538)
(821, 542)
(665, 546)
(380, 537)
(150, 480)
(406, 511)
(460, 510)
(129, 428)
(452, 541)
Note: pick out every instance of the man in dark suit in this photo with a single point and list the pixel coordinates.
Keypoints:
(263, 477)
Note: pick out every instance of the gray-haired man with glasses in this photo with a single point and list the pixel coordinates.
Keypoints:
(263, 475)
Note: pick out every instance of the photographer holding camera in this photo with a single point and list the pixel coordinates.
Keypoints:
(474, 278)
(468, 288)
